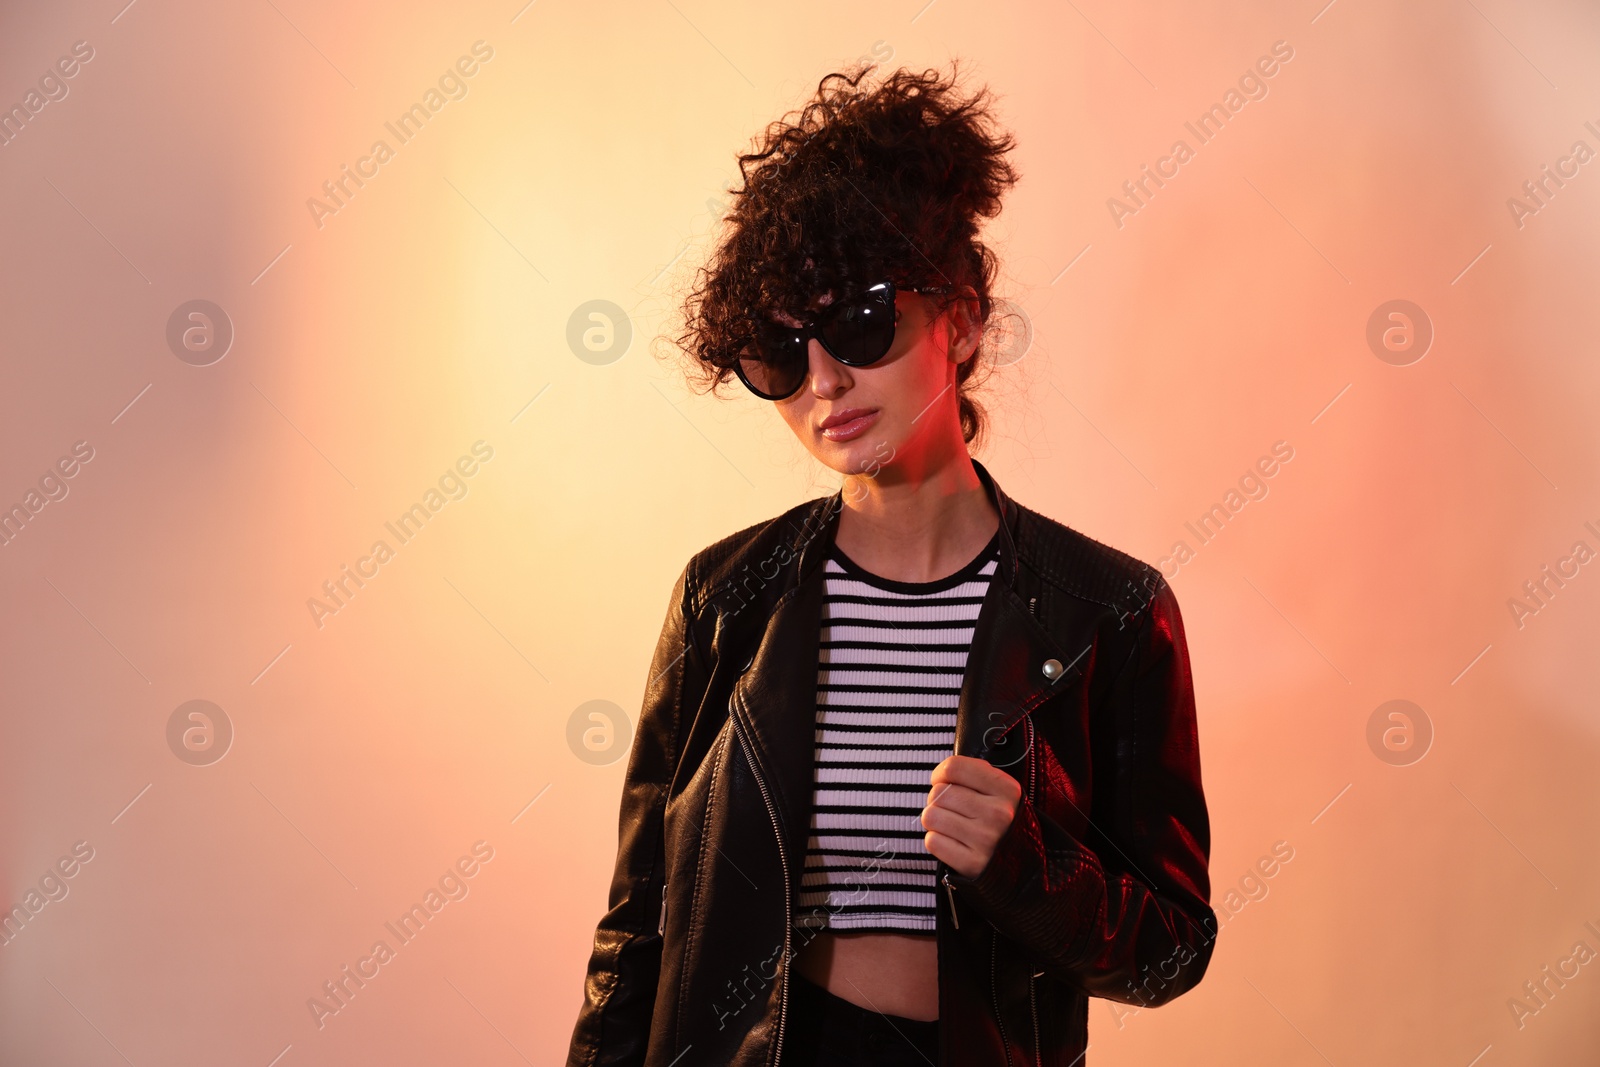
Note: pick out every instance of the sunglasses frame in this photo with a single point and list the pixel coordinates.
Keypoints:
(825, 316)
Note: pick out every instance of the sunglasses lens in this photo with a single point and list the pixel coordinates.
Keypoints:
(862, 330)
(774, 363)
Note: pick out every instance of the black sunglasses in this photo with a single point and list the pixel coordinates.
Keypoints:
(856, 332)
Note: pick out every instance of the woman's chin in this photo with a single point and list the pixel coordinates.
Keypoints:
(865, 455)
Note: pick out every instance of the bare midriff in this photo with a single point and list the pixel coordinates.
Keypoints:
(895, 974)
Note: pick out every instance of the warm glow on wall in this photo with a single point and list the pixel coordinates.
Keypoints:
(346, 469)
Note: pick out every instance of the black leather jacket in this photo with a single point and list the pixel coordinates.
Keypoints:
(1077, 683)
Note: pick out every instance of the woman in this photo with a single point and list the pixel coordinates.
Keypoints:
(916, 772)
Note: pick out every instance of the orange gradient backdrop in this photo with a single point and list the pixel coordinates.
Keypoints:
(587, 157)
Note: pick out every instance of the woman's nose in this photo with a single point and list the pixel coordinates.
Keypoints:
(827, 373)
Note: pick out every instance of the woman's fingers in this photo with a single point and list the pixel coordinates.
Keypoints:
(958, 856)
(971, 804)
(959, 799)
(981, 776)
(969, 818)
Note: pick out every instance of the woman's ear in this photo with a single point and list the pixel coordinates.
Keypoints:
(966, 329)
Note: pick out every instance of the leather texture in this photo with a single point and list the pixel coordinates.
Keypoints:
(1098, 888)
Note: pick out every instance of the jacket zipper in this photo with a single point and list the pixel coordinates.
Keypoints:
(788, 913)
(1038, 1049)
(994, 995)
(994, 942)
(944, 869)
(950, 890)
(1033, 1004)
(661, 927)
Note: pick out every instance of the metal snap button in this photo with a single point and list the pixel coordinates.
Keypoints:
(1053, 669)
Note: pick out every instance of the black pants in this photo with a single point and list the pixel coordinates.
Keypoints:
(823, 1030)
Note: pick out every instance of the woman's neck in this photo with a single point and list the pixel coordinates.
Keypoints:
(916, 525)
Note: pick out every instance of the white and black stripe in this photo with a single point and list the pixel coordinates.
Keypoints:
(889, 674)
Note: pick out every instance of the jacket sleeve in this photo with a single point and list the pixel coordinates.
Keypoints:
(619, 990)
(1132, 923)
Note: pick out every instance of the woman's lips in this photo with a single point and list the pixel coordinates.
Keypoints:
(846, 430)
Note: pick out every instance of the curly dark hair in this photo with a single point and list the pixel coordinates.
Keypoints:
(864, 185)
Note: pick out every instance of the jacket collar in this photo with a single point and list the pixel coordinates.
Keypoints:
(774, 699)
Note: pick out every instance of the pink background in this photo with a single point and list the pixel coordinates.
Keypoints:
(586, 161)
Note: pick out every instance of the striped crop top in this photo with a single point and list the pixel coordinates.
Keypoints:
(891, 662)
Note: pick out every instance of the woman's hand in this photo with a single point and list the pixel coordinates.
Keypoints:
(970, 806)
